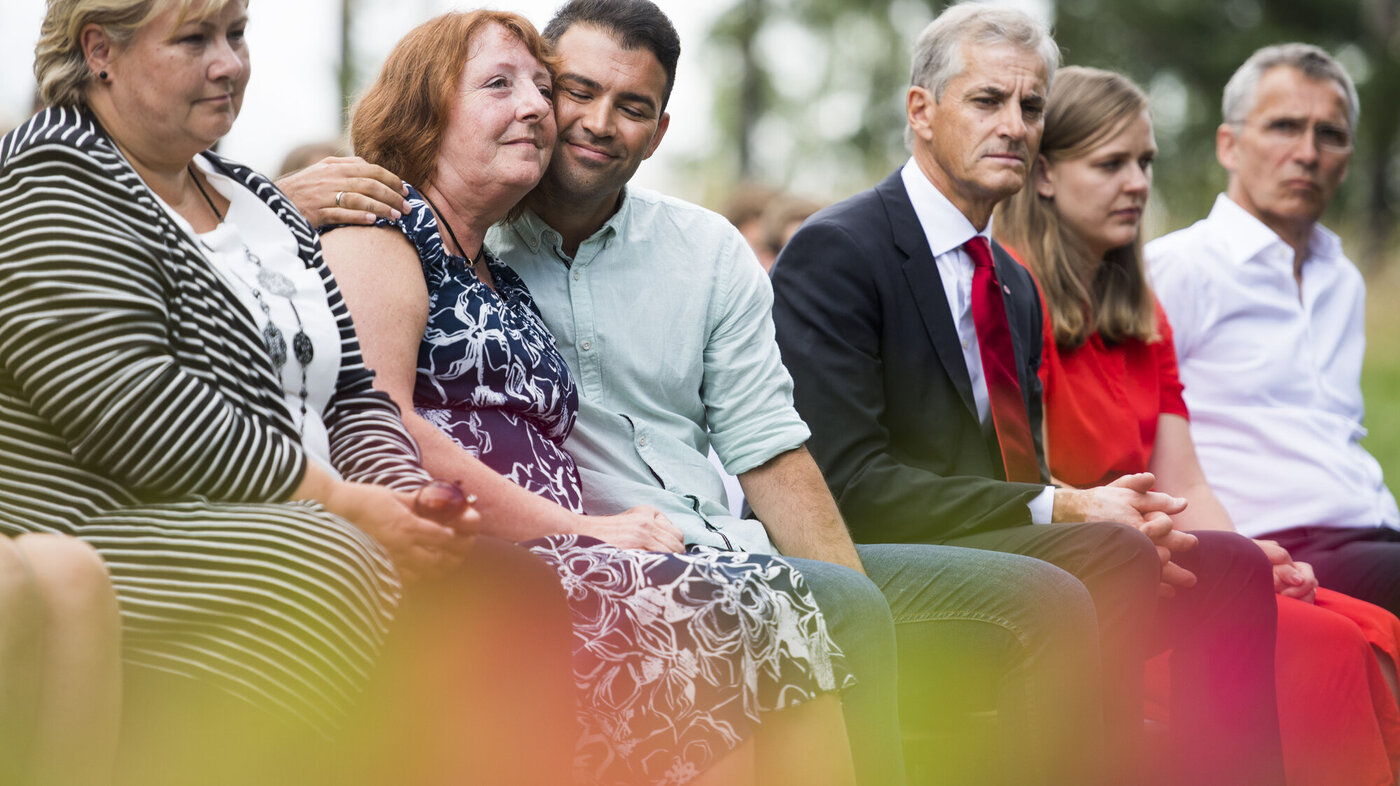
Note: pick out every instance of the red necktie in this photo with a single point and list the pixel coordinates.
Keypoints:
(1008, 407)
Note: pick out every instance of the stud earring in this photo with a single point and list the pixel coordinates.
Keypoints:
(102, 75)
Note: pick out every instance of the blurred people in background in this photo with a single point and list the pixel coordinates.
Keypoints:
(744, 209)
(782, 218)
(308, 153)
(767, 217)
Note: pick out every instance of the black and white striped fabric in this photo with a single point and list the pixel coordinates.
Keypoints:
(139, 412)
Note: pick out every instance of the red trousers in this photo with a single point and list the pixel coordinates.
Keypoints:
(1338, 719)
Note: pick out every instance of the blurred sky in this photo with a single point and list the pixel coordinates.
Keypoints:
(292, 95)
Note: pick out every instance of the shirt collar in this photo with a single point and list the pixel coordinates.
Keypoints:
(944, 225)
(536, 233)
(1245, 237)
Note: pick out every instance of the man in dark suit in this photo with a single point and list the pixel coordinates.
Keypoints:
(914, 343)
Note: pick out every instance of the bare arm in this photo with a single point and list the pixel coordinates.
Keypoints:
(790, 497)
(380, 277)
(1179, 472)
(366, 192)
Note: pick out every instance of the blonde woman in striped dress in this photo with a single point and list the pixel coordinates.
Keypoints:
(181, 388)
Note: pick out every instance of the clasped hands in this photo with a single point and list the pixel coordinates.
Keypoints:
(1130, 500)
(420, 547)
(1291, 579)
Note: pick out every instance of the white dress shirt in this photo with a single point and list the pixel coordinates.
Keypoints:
(1273, 381)
(947, 229)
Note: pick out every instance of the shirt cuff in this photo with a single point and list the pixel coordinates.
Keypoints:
(1043, 506)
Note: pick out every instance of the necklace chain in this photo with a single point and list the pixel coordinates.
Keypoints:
(278, 284)
(442, 219)
(190, 168)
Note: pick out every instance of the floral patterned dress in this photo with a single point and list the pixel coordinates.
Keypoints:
(676, 655)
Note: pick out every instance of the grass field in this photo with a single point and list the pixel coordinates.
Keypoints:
(1380, 378)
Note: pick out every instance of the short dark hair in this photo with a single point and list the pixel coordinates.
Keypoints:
(637, 24)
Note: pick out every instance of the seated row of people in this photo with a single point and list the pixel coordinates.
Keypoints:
(203, 413)
(184, 389)
(1113, 396)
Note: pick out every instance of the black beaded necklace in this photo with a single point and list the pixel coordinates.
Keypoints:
(278, 284)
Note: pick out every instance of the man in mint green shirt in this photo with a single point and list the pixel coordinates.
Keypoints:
(673, 351)
(663, 315)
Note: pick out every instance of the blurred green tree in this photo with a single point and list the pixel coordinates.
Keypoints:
(1183, 51)
(813, 96)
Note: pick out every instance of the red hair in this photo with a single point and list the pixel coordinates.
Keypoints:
(399, 122)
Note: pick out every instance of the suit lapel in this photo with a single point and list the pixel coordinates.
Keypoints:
(921, 272)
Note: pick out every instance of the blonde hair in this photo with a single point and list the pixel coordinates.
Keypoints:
(1086, 107)
(61, 68)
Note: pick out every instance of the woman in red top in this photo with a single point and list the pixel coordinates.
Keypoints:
(1113, 406)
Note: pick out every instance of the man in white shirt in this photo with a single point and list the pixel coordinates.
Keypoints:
(914, 344)
(1268, 315)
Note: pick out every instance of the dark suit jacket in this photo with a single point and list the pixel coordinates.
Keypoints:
(866, 331)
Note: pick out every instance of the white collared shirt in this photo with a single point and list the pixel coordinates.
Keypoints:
(947, 229)
(1273, 381)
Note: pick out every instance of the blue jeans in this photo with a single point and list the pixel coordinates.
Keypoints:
(950, 631)
(1224, 713)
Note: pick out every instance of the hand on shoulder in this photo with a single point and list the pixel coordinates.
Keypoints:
(348, 190)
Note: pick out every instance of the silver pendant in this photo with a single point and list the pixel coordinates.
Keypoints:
(276, 346)
(276, 283)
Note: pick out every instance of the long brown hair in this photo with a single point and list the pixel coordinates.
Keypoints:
(1086, 106)
(399, 121)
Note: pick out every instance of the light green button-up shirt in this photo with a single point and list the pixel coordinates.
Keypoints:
(665, 318)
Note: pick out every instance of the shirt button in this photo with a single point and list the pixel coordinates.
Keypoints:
(576, 275)
(642, 440)
(587, 345)
(965, 343)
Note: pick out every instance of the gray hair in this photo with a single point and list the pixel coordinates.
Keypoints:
(938, 52)
(60, 67)
(1242, 91)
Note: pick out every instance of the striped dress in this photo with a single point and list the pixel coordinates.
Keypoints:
(140, 413)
